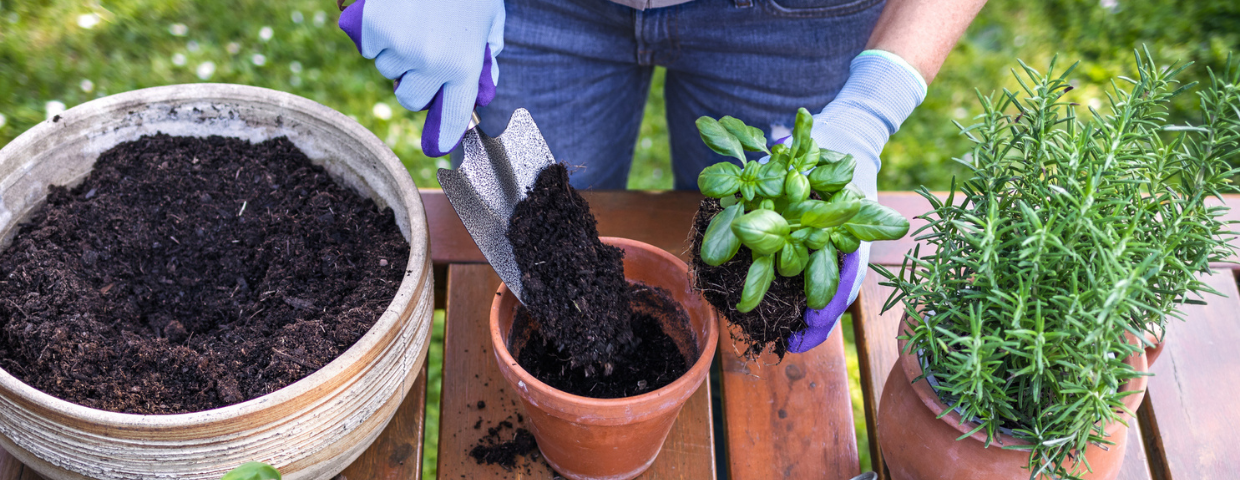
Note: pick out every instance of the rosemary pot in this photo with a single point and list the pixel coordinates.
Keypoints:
(917, 445)
(311, 429)
(589, 438)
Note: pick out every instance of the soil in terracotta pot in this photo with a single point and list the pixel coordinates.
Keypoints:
(596, 335)
(780, 314)
(188, 274)
(657, 360)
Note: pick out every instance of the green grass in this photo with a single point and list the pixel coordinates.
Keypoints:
(48, 56)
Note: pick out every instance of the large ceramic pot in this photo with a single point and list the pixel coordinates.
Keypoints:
(311, 429)
(917, 445)
(615, 439)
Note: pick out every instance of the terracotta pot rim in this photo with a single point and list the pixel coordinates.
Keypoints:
(621, 407)
(930, 398)
(385, 326)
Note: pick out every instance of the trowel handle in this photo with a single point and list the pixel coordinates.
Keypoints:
(474, 121)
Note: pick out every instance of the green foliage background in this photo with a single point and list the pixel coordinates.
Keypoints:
(72, 51)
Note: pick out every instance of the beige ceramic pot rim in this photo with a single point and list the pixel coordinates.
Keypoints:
(911, 367)
(224, 94)
(610, 408)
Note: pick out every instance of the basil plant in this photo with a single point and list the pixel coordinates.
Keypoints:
(796, 213)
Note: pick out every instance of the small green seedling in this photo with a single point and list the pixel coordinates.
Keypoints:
(771, 208)
(252, 471)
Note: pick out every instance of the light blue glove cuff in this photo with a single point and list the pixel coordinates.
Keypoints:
(881, 92)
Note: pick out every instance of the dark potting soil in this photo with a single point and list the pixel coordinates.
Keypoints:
(187, 274)
(781, 312)
(665, 350)
(572, 282)
(502, 445)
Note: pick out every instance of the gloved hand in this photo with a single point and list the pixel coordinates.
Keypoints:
(882, 90)
(441, 54)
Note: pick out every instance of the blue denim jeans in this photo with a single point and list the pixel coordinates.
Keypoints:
(583, 69)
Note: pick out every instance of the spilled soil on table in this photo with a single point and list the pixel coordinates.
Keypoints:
(596, 335)
(188, 274)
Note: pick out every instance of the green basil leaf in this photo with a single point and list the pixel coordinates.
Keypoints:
(833, 176)
(831, 156)
(751, 138)
(800, 133)
(252, 471)
(830, 214)
(818, 238)
(795, 210)
(766, 204)
(748, 192)
(779, 149)
(844, 241)
(728, 201)
(874, 222)
(796, 187)
(792, 259)
(757, 282)
(763, 231)
(848, 194)
(800, 234)
(810, 160)
(719, 139)
(719, 244)
(771, 179)
(822, 277)
(720, 180)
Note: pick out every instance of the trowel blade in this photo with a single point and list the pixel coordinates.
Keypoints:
(494, 176)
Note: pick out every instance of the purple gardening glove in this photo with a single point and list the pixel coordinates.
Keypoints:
(440, 53)
(881, 92)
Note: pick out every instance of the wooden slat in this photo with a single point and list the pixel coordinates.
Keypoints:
(470, 375)
(661, 219)
(877, 352)
(10, 468)
(1191, 393)
(792, 419)
(397, 453)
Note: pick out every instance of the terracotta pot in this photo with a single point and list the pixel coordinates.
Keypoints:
(1152, 353)
(918, 446)
(590, 438)
(311, 429)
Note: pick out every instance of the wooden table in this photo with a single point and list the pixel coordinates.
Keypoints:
(787, 420)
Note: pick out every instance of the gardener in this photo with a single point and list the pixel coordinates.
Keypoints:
(583, 68)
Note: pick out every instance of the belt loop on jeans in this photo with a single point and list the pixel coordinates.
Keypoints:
(743, 3)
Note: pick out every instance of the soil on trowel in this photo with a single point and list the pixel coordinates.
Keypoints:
(571, 281)
(781, 312)
(188, 274)
(665, 349)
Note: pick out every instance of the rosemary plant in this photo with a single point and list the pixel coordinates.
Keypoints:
(1071, 234)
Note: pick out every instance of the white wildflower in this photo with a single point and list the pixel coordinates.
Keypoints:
(3, 120)
(178, 59)
(87, 86)
(320, 18)
(295, 67)
(205, 70)
(233, 48)
(88, 20)
(258, 59)
(443, 163)
(178, 29)
(266, 33)
(297, 17)
(382, 110)
(960, 112)
(54, 107)
(192, 46)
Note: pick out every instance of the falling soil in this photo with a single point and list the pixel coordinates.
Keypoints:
(781, 312)
(188, 274)
(665, 349)
(571, 281)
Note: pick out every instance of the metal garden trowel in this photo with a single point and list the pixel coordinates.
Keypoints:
(495, 175)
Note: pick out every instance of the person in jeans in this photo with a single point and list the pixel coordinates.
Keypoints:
(583, 67)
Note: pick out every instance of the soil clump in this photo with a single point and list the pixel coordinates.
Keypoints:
(780, 314)
(665, 349)
(571, 281)
(188, 274)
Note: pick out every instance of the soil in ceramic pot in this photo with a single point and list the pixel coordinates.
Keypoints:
(571, 281)
(665, 350)
(188, 274)
(781, 312)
